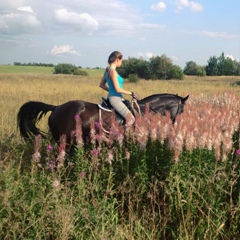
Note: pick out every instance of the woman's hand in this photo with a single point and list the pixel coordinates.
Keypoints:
(134, 95)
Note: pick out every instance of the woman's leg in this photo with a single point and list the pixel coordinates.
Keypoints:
(122, 109)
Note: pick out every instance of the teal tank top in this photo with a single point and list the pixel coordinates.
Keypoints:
(111, 89)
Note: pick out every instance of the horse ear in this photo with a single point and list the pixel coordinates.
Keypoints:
(186, 98)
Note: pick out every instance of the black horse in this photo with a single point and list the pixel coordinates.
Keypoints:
(62, 120)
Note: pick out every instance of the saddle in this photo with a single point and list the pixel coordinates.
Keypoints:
(105, 105)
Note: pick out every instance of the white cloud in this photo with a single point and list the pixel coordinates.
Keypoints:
(26, 9)
(161, 6)
(12, 23)
(149, 55)
(149, 26)
(181, 4)
(82, 21)
(63, 50)
(219, 35)
(230, 56)
(174, 58)
(10, 4)
(195, 7)
(145, 55)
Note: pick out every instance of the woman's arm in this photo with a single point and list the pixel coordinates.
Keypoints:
(113, 77)
(103, 84)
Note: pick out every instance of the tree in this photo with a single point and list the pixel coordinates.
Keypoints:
(176, 73)
(201, 71)
(236, 68)
(135, 66)
(192, 68)
(212, 66)
(161, 67)
(228, 67)
(222, 66)
(144, 69)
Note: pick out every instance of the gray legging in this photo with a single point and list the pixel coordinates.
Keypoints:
(120, 107)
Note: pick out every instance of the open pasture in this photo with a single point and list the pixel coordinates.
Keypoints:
(162, 182)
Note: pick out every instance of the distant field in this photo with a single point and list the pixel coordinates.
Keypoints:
(40, 70)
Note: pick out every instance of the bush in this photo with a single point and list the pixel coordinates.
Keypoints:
(80, 72)
(133, 78)
(64, 68)
(176, 73)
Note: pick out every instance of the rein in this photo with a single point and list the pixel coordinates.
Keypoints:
(134, 101)
(177, 105)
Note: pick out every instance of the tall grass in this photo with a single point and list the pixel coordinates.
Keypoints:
(158, 181)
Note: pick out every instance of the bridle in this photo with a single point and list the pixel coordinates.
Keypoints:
(175, 111)
(177, 108)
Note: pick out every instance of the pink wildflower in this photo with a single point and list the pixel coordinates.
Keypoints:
(77, 117)
(238, 152)
(82, 175)
(50, 147)
(95, 152)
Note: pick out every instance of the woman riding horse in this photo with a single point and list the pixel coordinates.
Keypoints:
(115, 87)
(62, 120)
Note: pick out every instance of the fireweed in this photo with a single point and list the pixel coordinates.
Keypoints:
(127, 187)
(61, 152)
(205, 124)
(78, 132)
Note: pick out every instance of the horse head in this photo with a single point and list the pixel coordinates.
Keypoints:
(160, 103)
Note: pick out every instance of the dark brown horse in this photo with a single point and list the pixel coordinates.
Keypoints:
(62, 119)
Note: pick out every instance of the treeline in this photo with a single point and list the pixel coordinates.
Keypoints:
(157, 67)
(161, 67)
(34, 64)
(216, 66)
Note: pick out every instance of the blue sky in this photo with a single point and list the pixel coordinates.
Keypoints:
(85, 32)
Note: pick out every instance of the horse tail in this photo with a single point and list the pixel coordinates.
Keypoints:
(29, 115)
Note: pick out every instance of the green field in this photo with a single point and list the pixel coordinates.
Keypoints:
(161, 181)
(40, 70)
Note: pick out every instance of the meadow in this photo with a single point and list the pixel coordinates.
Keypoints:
(157, 181)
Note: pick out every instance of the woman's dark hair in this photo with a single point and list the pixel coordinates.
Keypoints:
(113, 56)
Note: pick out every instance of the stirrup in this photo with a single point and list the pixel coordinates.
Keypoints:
(104, 105)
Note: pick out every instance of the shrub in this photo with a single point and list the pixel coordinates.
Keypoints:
(80, 72)
(64, 68)
(133, 78)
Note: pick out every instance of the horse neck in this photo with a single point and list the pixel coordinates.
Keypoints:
(160, 103)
